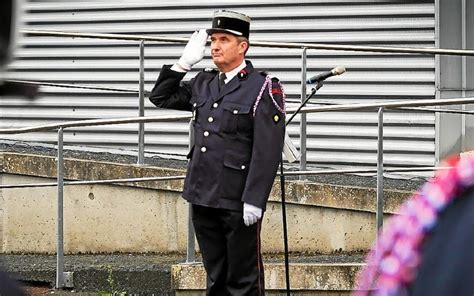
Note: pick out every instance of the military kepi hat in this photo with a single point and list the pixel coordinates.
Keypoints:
(226, 21)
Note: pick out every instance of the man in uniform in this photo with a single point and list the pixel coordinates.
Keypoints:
(239, 128)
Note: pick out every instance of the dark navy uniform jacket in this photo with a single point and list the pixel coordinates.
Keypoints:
(236, 151)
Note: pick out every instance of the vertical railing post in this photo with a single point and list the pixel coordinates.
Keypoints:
(190, 253)
(464, 140)
(380, 199)
(303, 115)
(141, 105)
(60, 222)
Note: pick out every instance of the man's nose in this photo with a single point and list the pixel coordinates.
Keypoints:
(215, 46)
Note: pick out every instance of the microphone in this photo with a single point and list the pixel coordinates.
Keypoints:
(323, 76)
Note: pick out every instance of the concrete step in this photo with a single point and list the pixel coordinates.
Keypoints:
(305, 278)
(143, 274)
(158, 274)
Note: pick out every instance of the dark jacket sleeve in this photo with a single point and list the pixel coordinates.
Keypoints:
(170, 92)
(268, 137)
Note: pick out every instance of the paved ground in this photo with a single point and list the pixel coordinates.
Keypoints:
(137, 273)
(143, 274)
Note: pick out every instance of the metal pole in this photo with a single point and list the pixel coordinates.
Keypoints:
(380, 201)
(141, 104)
(437, 85)
(463, 74)
(60, 225)
(303, 115)
(285, 227)
(190, 254)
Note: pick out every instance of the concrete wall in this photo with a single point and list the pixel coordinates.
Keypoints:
(112, 218)
(105, 218)
(96, 219)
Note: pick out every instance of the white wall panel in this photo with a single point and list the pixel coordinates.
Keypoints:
(334, 138)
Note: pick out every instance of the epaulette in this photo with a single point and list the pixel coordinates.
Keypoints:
(263, 73)
(210, 70)
(276, 86)
(275, 90)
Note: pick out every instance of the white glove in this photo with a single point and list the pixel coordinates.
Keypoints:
(251, 214)
(194, 50)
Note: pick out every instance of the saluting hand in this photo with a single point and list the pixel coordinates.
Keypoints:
(194, 50)
(251, 214)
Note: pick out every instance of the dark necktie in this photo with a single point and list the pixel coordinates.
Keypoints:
(222, 78)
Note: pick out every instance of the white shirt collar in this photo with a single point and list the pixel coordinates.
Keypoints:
(231, 74)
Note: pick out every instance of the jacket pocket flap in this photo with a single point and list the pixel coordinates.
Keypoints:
(237, 163)
(236, 108)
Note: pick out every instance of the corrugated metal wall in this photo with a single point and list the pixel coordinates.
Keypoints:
(335, 139)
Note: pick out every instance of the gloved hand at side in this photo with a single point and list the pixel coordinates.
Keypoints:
(251, 214)
(194, 50)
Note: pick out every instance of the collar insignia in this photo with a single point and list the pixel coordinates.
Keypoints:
(242, 74)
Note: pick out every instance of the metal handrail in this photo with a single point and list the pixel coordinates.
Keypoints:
(422, 109)
(94, 182)
(345, 107)
(381, 106)
(80, 86)
(440, 110)
(173, 178)
(388, 105)
(60, 274)
(94, 122)
(380, 49)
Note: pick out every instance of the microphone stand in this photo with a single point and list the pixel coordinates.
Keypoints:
(282, 187)
(313, 91)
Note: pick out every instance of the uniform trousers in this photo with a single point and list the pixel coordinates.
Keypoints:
(230, 251)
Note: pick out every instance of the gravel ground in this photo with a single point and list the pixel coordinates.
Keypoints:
(143, 262)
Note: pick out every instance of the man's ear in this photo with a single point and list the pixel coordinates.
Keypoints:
(244, 45)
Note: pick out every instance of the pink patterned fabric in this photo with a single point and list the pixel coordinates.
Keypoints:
(393, 261)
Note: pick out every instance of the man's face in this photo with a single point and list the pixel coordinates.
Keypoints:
(227, 51)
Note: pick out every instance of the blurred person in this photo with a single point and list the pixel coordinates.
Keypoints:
(8, 19)
(9, 287)
(428, 248)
